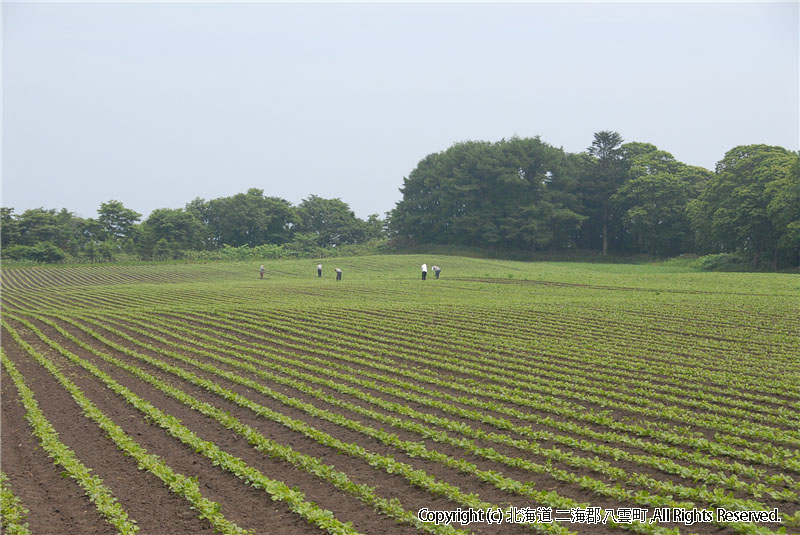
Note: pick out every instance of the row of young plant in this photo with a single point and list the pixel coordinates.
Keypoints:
(414, 449)
(659, 449)
(351, 366)
(739, 414)
(466, 346)
(595, 485)
(393, 369)
(537, 357)
(113, 298)
(729, 317)
(36, 278)
(186, 296)
(589, 323)
(178, 483)
(99, 494)
(639, 366)
(13, 514)
(390, 507)
(721, 329)
(514, 386)
(463, 334)
(559, 335)
(416, 477)
(757, 490)
(669, 341)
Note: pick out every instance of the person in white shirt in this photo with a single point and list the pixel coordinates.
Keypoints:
(338, 274)
(424, 271)
(261, 270)
(319, 270)
(436, 270)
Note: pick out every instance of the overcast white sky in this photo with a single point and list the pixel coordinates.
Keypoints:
(155, 104)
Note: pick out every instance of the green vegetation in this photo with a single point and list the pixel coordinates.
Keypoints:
(514, 199)
(561, 385)
(525, 195)
(12, 512)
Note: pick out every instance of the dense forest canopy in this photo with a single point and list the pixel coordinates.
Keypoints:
(248, 219)
(520, 194)
(616, 196)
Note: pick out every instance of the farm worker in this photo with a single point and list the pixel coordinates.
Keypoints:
(436, 270)
(262, 271)
(424, 271)
(338, 274)
(319, 270)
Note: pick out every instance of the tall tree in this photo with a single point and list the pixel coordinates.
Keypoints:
(652, 202)
(604, 174)
(246, 219)
(116, 220)
(752, 205)
(9, 227)
(506, 194)
(175, 229)
(330, 221)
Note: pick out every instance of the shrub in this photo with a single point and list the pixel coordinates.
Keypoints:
(722, 262)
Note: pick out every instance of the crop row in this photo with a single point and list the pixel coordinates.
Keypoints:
(470, 343)
(485, 369)
(518, 356)
(720, 498)
(63, 456)
(12, 512)
(387, 463)
(408, 389)
(178, 483)
(537, 332)
(391, 507)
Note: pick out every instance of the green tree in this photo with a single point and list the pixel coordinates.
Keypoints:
(39, 225)
(509, 194)
(245, 219)
(652, 202)
(43, 251)
(117, 221)
(180, 230)
(9, 227)
(331, 221)
(751, 205)
(604, 172)
(374, 227)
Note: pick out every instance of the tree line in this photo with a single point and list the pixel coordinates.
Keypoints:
(523, 194)
(520, 194)
(243, 220)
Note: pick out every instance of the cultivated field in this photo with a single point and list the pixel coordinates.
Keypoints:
(538, 397)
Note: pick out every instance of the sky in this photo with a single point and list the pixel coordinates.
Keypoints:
(155, 104)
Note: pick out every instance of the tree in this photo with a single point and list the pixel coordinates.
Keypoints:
(9, 227)
(178, 229)
(652, 202)
(374, 227)
(603, 174)
(245, 219)
(43, 251)
(751, 205)
(117, 221)
(331, 221)
(509, 194)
